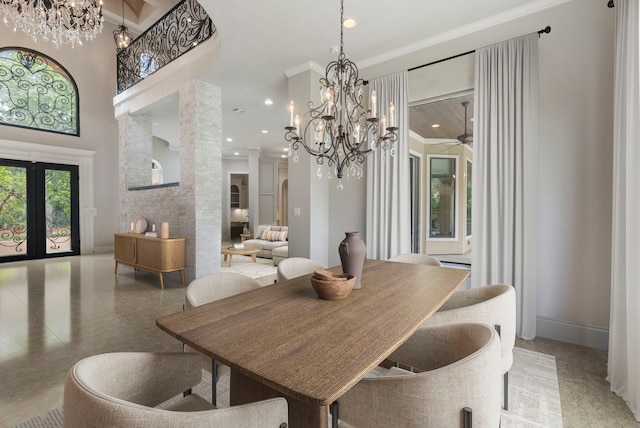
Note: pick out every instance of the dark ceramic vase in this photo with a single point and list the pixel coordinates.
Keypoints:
(352, 251)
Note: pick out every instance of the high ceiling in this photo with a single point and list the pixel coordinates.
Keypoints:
(261, 40)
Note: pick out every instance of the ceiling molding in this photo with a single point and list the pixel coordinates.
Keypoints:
(465, 30)
(311, 65)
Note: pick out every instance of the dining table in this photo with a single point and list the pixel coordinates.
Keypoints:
(281, 340)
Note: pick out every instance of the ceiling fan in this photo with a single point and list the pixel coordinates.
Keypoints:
(465, 138)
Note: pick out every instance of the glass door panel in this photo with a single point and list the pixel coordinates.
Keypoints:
(57, 199)
(13, 211)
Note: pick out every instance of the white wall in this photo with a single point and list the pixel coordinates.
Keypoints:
(576, 113)
(94, 62)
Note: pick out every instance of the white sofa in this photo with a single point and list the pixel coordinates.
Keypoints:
(268, 238)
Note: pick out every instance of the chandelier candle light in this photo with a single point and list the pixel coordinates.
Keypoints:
(342, 129)
(58, 21)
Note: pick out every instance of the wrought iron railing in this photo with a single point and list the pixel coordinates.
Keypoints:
(177, 32)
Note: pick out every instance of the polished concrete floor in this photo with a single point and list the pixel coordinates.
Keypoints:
(57, 311)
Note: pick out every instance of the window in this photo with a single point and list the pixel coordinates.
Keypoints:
(37, 92)
(442, 200)
(235, 196)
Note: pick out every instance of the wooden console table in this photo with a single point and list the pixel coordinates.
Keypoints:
(151, 254)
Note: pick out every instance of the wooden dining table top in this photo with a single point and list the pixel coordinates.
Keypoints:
(315, 350)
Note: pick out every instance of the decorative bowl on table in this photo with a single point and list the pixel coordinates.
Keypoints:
(332, 286)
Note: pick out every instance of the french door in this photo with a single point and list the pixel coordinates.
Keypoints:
(38, 210)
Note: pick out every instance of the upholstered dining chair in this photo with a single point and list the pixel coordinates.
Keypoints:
(294, 267)
(122, 389)
(416, 258)
(456, 380)
(494, 305)
(207, 289)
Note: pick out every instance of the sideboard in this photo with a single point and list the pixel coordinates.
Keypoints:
(151, 254)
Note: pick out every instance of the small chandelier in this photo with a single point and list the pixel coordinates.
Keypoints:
(58, 21)
(342, 129)
(121, 35)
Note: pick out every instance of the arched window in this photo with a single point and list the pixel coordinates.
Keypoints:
(37, 92)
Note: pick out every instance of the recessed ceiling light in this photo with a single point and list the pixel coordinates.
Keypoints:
(236, 153)
(286, 149)
(435, 125)
(284, 156)
(471, 119)
(349, 23)
(264, 131)
(268, 101)
(229, 139)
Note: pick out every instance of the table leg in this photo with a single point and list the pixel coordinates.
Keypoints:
(301, 414)
(230, 259)
(161, 281)
(182, 275)
(253, 257)
(116, 271)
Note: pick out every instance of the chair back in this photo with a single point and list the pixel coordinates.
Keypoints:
(119, 390)
(461, 364)
(493, 304)
(294, 267)
(218, 286)
(416, 259)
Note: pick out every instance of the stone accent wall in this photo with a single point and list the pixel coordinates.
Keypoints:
(193, 209)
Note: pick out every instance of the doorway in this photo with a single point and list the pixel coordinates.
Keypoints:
(39, 210)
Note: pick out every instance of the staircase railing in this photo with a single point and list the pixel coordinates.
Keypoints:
(176, 33)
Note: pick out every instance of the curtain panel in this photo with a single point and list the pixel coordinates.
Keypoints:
(388, 193)
(505, 191)
(624, 327)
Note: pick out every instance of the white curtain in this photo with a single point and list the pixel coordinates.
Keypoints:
(505, 193)
(624, 325)
(388, 195)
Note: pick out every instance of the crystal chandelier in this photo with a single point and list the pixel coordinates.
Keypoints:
(57, 21)
(341, 130)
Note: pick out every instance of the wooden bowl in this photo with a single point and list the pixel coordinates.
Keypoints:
(328, 275)
(333, 289)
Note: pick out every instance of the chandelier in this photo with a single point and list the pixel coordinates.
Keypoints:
(57, 21)
(341, 130)
(122, 36)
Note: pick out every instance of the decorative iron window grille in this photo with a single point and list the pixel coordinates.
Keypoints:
(37, 92)
(176, 33)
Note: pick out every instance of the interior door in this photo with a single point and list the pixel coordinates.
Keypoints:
(38, 210)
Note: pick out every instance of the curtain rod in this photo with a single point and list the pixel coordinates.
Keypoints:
(545, 30)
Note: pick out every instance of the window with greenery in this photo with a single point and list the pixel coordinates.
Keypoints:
(37, 92)
(442, 175)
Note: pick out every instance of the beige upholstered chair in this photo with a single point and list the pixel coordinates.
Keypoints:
(213, 287)
(417, 259)
(457, 374)
(494, 305)
(122, 389)
(218, 286)
(296, 266)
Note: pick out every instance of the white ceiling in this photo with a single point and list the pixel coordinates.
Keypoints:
(260, 40)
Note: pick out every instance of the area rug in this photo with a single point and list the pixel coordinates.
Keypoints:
(262, 270)
(534, 398)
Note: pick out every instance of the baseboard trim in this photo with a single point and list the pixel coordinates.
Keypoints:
(570, 332)
(103, 250)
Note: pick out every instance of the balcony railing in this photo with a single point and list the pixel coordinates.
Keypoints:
(176, 33)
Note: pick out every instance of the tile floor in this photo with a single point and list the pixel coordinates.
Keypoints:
(57, 311)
